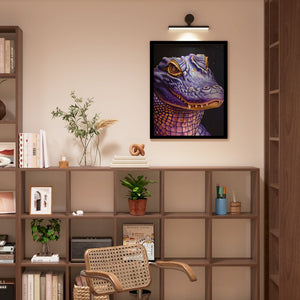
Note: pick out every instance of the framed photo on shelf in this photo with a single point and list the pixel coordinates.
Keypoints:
(142, 234)
(7, 154)
(41, 200)
(188, 89)
(7, 202)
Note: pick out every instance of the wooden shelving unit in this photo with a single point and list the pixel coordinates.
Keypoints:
(282, 46)
(10, 126)
(106, 211)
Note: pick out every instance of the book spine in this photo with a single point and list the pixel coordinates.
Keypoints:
(34, 146)
(25, 150)
(29, 151)
(2, 55)
(43, 286)
(7, 261)
(21, 150)
(6, 256)
(37, 284)
(12, 57)
(41, 149)
(38, 151)
(46, 159)
(60, 286)
(25, 286)
(7, 56)
(54, 286)
(30, 287)
(49, 286)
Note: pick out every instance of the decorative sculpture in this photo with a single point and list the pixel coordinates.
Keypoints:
(136, 149)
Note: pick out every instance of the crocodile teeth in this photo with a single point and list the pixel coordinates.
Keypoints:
(189, 107)
(196, 106)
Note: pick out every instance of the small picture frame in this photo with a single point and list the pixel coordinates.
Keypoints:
(7, 202)
(41, 200)
(7, 154)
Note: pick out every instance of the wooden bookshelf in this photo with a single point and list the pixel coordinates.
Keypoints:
(282, 45)
(107, 210)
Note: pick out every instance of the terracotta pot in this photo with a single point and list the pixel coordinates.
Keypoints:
(2, 110)
(137, 207)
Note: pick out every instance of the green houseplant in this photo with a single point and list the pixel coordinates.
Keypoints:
(138, 193)
(43, 232)
(83, 128)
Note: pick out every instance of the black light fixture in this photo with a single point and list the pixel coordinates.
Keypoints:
(189, 20)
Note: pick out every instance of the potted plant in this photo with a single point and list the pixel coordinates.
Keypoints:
(138, 193)
(43, 232)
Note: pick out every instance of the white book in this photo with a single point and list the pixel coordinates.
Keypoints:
(45, 154)
(7, 56)
(38, 151)
(12, 57)
(138, 161)
(21, 150)
(25, 150)
(60, 286)
(115, 165)
(30, 292)
(25, 286)
(37, 284)
(127, 157)
(30, 150)
(2, 46)
(49, 286)
(42, 162)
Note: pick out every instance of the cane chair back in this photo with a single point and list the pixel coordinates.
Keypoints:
(129, 263)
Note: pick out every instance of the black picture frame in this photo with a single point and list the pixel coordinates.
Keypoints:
(183, 63)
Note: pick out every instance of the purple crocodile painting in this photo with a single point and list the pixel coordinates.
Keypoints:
(184, 87)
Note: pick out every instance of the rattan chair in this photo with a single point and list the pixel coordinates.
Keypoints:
(123, 268)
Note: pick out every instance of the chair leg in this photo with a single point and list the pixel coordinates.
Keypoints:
(140, 294)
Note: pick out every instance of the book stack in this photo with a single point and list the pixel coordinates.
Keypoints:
(43, 286)
(7, 253)
(33, 150)
(7, 56)
(123, 161)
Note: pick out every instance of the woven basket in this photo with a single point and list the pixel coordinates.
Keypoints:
(83, 293)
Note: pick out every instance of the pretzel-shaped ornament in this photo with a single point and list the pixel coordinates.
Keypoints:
(136, 149)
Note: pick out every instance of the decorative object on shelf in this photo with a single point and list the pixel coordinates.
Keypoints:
(126, 161)
(138, 192)
(7, 202)
(77, 213)
(7, 154)
(80, 244)
(44, 231)
(187, 79)
(41, 200)
(83, 128)
(235, 206)
(221, 201)
(63, 163)
(136, 149)
(2, 106)
(140, 234)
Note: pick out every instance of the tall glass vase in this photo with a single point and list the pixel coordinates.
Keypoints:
(91, 155)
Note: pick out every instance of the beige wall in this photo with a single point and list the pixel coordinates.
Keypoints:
(100, 49)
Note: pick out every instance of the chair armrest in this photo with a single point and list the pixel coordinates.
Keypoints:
(177, 266)
(107, 276)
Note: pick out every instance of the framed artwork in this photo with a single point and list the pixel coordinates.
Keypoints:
(7, 154)
(7, 202)
(188, 86)
(41, 200)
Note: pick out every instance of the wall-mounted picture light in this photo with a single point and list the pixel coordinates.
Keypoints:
(189, 20)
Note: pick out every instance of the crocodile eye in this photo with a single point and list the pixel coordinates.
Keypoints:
(174, 69)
